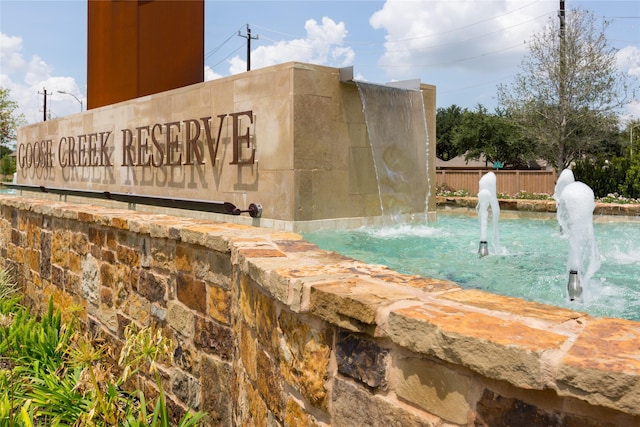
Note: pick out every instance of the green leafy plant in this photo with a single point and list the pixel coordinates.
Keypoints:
(52, 374)
(142, 350)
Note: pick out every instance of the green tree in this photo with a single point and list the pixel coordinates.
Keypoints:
(447, 119)
(7, 165)
(9, 122)
(568, 90)
(612, 144)
(604, 176)
(494, 136)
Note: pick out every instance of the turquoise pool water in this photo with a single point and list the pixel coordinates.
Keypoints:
(532, 265)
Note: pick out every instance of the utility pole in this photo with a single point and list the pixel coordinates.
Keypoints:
(561, 86)
(44, 111)
(561, 15)
(249, 38)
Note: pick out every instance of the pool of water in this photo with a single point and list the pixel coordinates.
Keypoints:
(532, 263)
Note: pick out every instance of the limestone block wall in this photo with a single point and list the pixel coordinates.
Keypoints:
(290, 137)
(271, 331)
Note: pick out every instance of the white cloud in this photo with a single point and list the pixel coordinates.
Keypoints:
(27, 78)
(10, 56)
(209, 74)
(628, 60)
(323, 45)
(631, 112)
(37, 71)
(429, 35)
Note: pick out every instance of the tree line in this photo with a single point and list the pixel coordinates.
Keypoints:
(562, 109)
(9, 123)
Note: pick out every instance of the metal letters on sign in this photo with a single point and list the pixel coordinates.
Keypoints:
(187, 142)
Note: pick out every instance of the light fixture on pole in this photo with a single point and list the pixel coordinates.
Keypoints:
(77, 99)
(631, 138)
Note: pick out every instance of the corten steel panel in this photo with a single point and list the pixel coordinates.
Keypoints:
(137, 48)
(111, 52)
(171, 45)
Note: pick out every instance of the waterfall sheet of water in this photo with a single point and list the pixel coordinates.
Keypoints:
(397, 130)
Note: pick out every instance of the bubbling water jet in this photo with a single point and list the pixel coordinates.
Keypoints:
(583, 262)
(566, 177)
(484, 200)
(487, 197)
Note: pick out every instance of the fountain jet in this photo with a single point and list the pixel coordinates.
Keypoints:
(484, 200)
(483, 250)
(566, 177)
(578, 203)
(487, 197)
(573, 286)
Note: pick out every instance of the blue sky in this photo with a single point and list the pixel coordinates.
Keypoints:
(464, 47)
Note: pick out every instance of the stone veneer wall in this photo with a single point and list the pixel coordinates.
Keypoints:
(272, 331)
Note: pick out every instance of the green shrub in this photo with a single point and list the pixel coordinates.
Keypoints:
(53, 375)
(619, 175)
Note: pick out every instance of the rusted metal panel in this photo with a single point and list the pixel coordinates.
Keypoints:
(137, 48)
(171, 45)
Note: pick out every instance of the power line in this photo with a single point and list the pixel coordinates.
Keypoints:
(458, 89)
(464, 26)
(471, 37)
(215, 49)
(277, 32)
(302, 46)
(455, 61)
(227, 57)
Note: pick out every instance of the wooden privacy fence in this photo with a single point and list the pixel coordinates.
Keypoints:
(507, 181)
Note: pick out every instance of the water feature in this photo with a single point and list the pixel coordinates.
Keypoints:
(488, 198)
(532, 264)
(4, 190)
(566, 177)
(396, 125)
(578, 203)
(484, 201)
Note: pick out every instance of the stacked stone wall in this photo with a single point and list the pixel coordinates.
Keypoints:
(271, 331)
(523, 206)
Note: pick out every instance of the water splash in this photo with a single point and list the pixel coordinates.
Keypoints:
(566, 177)
(578, 204)
(488, 198)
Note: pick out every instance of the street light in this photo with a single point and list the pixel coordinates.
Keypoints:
(67, 93)
(631, 138)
